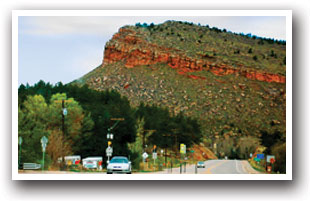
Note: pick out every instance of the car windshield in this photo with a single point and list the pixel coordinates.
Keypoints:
(119, 160)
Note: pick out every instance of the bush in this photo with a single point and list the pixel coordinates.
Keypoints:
(255, 58)
(279, 151)
(250, 51)
(237, 52)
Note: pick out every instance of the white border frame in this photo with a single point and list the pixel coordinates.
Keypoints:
(286, 13)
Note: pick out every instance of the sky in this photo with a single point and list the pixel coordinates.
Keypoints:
(61, 49)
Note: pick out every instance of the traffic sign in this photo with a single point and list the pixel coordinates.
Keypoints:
(20, 140)
(145, 155)
(182, 148)
(64, 111)
(257, 159)
(44, 141)
(260, 156)
(109, 151)
(154, 155)
(271, 158)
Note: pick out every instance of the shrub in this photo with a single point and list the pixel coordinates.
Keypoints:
(279, 151)
(255, 58)
(237, 52)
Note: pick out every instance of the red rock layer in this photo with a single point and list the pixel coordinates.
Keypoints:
(134, 51)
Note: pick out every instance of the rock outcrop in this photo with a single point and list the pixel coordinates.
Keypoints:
(133, 50)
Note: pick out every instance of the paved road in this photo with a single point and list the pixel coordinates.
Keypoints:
(216, 167)
(211, 167)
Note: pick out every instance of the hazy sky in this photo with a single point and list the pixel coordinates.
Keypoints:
(62, 49)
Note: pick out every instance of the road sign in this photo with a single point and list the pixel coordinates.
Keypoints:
(109, 143)
(192, 151)
(271, 158)
(44, 141)
(64, 111)
(145, 155)
(20, 140)
(260, 156)
(154, 155)
(257, 159)
(182, 148)
(109, 151)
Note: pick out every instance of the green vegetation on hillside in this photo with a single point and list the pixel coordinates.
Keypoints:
(236, 50)
(89, 117)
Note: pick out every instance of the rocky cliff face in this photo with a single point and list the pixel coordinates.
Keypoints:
(129, 47)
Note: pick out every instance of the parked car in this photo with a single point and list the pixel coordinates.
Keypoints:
(200, 164)
(119, 164)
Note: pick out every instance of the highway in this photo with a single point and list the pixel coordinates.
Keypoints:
(215, 167)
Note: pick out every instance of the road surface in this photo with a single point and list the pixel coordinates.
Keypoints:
(215, 167)
(211, 167)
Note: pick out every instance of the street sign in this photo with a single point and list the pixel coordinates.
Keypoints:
(257, 159)
(64, 111)
(145, 155)
(271, 158)
(109, 151)
(44, 141)
(20, 140)
(154, 155)
(192, 151)
(182, 148)
(260, 156)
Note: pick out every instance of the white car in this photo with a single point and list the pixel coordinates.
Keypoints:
(200, 164)
(119, 164)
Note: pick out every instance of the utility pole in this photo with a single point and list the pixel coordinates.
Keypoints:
(109, 150)
(63, 114)
(143, 139)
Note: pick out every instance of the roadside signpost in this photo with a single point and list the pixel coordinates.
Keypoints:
(144, 156)
(271, 158)
(109, 151)
(182, 148)
(182, 152)
(65, 111)
(154, 156)
(260, 156)
(20, 141)
(44, 141)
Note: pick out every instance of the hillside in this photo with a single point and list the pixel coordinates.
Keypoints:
(234, 84)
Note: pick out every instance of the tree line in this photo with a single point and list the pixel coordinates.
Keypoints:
(90, 114)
